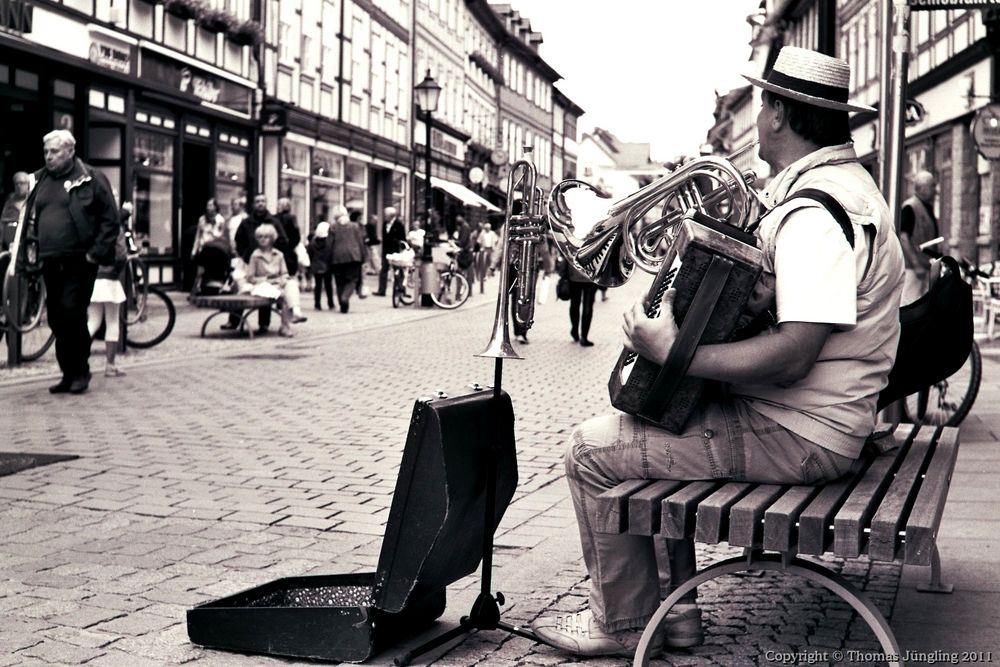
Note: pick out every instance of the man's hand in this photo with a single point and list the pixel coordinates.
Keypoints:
(91, 259)
(651, 338)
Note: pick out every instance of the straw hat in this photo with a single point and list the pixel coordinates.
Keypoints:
(322, 230)
(810, 77)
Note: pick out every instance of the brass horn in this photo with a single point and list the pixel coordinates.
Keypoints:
(609, 250)
(522, 231)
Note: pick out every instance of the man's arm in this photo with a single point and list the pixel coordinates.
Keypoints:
(915, 259)
(782, 355)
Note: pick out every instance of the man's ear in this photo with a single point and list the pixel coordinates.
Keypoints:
(777, 111)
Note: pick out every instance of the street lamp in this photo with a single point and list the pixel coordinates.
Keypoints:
(427, 91)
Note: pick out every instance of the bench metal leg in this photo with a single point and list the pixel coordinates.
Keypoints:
(935, 585)
(805, 569)
(204, 326)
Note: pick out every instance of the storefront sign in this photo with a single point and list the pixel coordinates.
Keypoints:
(443, 143)
(16, 15)
(913, 112)
(196, 83)
(952, 4)
(273, 120)
(110, 54)
(986, 131)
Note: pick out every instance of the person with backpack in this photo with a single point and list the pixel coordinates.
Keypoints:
(801, 394)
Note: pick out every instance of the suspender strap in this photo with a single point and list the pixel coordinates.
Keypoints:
(832, 206)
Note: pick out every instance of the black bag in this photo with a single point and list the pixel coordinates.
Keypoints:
(464, 258)
(935, 338)
(562, 289)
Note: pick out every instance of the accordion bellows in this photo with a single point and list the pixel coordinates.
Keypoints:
(714, 268)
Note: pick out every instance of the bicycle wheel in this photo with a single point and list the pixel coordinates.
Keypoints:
(452, 291)
(38, 340)
(402, 289)
(947, 403)
(136, 290)
(153, 323)
(24, 306)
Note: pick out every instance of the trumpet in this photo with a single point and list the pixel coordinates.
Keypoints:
(609, 250)
(523, 229)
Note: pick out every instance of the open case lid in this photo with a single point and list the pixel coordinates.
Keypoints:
(434, 534)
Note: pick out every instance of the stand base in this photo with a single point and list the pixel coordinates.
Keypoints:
(485, 615)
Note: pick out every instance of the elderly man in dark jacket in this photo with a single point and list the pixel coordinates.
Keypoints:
(71, 220)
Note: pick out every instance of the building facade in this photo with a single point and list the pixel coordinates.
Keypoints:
(952, 75)
(182, 101)
(158, 97)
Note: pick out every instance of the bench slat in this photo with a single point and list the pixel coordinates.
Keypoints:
(925, 517)
(851, 520)
(644, 507)
(713, 512)
(746, 528)
(781, 519)
(677, 511)
(813, 522)
(612, 506)
(884, 539)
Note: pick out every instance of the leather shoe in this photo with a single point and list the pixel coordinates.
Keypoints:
(228, 326)
(584, 342)
(299, 319)
(378, 293)
(61, 387)
(80, 384)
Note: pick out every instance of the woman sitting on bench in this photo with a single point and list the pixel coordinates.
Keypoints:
(802, 394)
(268, 274)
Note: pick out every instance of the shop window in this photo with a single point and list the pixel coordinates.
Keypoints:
(328, 165)
(399, 191)
(63, 89)
(357, 173)
(326, 197)
(153, 160)
(4, 74)
(25, 79)
(85, 6)
(105, 143)
(294, 179)
(230, 179)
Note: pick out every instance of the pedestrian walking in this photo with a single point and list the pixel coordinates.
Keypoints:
(801, 395)
(321, 264)
(917, 225)
(484, 258)
(545, 249)
(13, 207)
(355, 218)
(371, 240)
(107, 298)
(212, 232)
(348, 255)
(72, 213)
(465, 238)
(582, 292)
(393, 231)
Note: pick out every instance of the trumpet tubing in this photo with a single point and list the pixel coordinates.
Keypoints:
(521, 233)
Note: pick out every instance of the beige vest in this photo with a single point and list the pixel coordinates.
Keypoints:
(834, 406)
(924, 227)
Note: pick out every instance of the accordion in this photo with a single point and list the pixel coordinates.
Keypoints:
(714, 268)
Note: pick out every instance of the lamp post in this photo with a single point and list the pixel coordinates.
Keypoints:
(427, 91)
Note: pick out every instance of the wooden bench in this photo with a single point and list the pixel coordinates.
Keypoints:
(889, 509)
(225, 304)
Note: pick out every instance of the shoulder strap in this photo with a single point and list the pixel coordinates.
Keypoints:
(832, 206)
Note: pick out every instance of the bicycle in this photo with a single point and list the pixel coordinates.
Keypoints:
(24, 308)
(149, 313)
(948, 402)
(452, 290)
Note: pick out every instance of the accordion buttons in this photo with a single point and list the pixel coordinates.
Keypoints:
(709, 433)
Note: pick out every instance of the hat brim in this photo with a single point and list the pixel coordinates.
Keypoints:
(808, 99)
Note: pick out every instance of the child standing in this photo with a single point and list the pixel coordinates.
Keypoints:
(267, 267)
(321, 259)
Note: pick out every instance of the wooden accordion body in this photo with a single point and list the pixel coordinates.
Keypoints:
(714, 268)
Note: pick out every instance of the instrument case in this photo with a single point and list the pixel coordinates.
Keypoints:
(433, 537)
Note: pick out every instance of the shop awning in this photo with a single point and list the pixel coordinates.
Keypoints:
(462, 193)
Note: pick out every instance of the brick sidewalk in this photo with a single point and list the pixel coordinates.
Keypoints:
(202, 474)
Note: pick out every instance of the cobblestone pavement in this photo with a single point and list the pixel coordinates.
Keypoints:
(217, 465)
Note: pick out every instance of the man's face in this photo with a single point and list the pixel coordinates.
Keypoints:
(260, 203)
(764, 117)
(22, 186)
(58, 155)
(925, 190)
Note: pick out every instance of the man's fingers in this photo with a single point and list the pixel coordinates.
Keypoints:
(667, 303)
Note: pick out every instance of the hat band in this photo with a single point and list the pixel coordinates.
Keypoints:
(832, 93)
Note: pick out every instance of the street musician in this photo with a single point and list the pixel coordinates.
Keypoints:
(801, 395)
